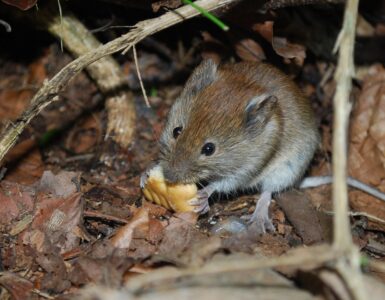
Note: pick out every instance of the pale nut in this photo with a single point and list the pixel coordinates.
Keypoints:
(170, 196)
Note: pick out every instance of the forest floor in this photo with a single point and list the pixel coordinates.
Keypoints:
(71, 209)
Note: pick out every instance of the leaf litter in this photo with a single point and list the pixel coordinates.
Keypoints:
(72, 213)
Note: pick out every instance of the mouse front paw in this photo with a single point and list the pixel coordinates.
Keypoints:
(146, 174)
(201, 202)
(143, 179)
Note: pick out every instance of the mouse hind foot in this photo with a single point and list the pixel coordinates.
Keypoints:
(259, 220)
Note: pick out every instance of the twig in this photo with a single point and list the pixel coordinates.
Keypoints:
(275, 4)
(358, 214)
(95, 214)
(349, 265)
(315, 256)
(366, 215)
(140, 77)
(343, 78)
(106, 73)
(42, 294)
(50, 90)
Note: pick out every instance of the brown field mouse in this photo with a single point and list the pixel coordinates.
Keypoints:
(238, 127)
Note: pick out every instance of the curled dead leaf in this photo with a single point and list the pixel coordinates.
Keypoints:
(281, 45)
(289, 50)
(123, 236)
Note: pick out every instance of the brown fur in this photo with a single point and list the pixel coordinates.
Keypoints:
(214, 108)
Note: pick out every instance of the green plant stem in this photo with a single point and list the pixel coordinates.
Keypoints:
(208, 15)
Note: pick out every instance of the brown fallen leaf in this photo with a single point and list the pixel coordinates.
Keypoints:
(55, 276)
(281, 45)
(250, 50)
(108, 271)
(86, 135)
(59, 220)
(20, 288)
(62, 184)
(124, 235)
(16, 200)
(164, 4)
(24, 163)
(151, 231)
(184, 244)
(13, 102)
(289, 50)
(303, 216)
(265, 29)
(154, 210)
(367, 145)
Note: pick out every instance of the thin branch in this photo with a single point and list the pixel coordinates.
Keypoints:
(106, 73)
(276, 4)
(50, 90)
(358, 214)
(349, 265)
(342, 107)
(312, 257)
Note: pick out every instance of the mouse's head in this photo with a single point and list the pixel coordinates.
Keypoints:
(214, 127)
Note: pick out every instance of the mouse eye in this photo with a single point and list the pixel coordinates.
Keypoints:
(208, 149)
(177, 131)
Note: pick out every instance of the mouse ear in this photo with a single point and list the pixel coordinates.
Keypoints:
(201, 77)
(259, 109)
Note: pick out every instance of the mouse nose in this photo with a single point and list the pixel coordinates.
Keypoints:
(170, 175)
(175, 172)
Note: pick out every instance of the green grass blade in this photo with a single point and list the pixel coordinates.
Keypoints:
(208, 15)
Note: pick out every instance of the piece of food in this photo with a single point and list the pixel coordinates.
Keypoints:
(170, 196)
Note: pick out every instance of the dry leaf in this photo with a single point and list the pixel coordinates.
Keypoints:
(59, 217)
(26, 165)
(289, 50)
(179, 238)
(22, 4)
(303, 216)
(85, 136)
(367, 144)
(265, 30)
(13, 102)
(60, 185)
(17, 286)
(249, 50)
(108, 270)
(281, 45)
(15, 200)
(124, 235)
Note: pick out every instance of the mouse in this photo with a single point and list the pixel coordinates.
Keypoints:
(238, 127)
